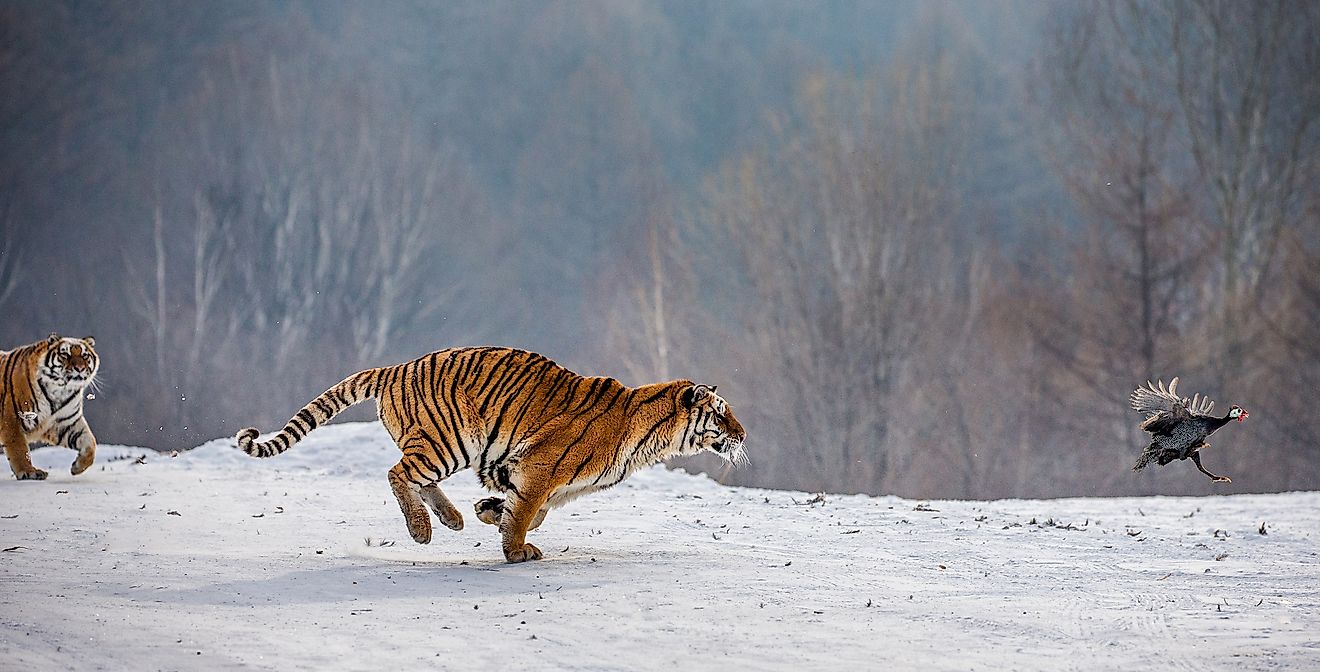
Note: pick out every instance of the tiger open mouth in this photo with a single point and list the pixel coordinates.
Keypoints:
(730, 450)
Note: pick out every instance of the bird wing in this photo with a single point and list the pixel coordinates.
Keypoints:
(1164, 409)
(1200, 405)
(1152, 401)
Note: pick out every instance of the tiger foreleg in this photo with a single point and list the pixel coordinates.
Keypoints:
(20, 460)
(80, 438)
(520, 511)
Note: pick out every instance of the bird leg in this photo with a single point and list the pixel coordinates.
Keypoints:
(1196, 457)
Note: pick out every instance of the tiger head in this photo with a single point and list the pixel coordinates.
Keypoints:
(69, 362)
(710, 425)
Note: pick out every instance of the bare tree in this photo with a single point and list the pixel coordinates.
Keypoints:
(1249, 101)
(649, 320)
(841, 238)
(1123, 302)
(588, 182)
(824, 270)
(332, 231)
(1290, 383)
(1168, 115)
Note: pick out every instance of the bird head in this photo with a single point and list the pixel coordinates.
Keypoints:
(1237, 412)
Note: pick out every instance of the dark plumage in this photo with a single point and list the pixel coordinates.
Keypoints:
(1179, 426)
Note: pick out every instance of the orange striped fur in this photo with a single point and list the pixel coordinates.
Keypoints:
(531, 429)
(41, 399)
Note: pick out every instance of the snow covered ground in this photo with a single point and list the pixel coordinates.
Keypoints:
(213, 560)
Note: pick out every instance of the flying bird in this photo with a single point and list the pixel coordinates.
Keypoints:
(1179, 426)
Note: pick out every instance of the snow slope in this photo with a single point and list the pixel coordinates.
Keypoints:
(213, 560)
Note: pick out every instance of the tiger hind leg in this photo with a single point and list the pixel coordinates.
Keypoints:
(415, 482)
(443, 508)
(489, 510)
(408, 492)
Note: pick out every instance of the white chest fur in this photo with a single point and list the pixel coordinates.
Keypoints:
(55, 405)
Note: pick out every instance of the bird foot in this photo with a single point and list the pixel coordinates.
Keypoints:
(1222, 479)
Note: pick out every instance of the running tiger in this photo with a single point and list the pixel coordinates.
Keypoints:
(41, 399)
(531, 429)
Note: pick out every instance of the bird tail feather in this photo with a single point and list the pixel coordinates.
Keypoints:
(1144, 460)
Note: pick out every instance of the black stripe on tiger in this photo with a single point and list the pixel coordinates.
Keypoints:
(351, 390)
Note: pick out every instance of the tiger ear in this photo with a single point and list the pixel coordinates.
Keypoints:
(693, 394)
(688, 397)
(90, 341)
(53, 338)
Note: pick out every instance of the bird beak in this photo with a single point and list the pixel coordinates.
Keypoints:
(1243, 416)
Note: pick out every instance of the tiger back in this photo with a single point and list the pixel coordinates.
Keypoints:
(41, 400)
(532, 430)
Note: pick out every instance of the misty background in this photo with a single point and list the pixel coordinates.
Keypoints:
(924, 248)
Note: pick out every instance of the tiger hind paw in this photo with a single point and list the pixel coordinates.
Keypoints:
(489, 510)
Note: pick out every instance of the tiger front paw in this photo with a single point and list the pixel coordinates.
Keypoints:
(523, 554)
(33, 474)
(83, 463)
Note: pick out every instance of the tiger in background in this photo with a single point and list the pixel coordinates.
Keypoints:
(41, 399)
(530, 429)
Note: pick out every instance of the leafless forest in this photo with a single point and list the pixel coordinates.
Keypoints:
(924, 248)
